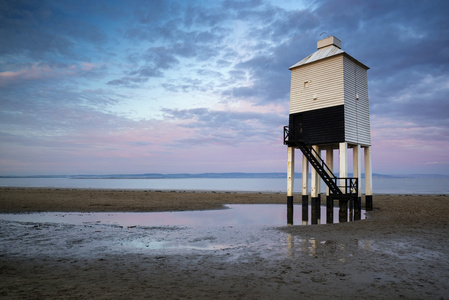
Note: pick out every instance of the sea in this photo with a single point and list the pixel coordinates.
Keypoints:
(381, 185)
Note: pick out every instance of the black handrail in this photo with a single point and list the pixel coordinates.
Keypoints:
(323, 164)
(351, 184)
(286, 135)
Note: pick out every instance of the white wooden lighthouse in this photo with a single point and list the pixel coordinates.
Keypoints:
(329, 109)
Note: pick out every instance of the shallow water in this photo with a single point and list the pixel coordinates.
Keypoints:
(236, 214)
(241, 228)
(66, 241)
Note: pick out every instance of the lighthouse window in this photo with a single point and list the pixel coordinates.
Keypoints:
(306, 84)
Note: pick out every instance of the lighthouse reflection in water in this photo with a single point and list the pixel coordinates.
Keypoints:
(319, 214)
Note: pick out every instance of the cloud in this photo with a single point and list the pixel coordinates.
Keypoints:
(42, 111)
(179, 35)
(40, 72)
(225, 127)
(131, 82)
(160, 80)
(45, 30)
(422, 101)
(149, 64)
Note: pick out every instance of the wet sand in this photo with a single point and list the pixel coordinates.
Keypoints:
(399, 251)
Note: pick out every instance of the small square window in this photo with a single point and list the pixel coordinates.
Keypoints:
(306, 84)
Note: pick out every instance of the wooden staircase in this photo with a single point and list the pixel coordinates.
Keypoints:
(350, 187)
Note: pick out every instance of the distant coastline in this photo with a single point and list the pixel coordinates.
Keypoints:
(210, 175)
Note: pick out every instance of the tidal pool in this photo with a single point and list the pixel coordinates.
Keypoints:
(238, 231)
(235, 214)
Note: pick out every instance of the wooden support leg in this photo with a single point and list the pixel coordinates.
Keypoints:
(315, 193)
(290, 183)
(343, 213)
(305, 190)
(329, 209)
(315, 210)
(329, 199)
(358, 209)
(343, 163)
(368, 180)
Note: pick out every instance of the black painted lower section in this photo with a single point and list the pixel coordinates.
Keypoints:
(305, 208)
(351, 203)
(350, 208)
(316, 210)
(329, 210)
(289, 210)
(305, 199)
(319, 126)
(368, 202)
(358, 203)
(343, 212)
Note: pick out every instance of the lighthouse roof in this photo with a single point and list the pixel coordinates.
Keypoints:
(327, 47)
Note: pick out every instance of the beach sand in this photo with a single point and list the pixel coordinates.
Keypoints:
(400, 250)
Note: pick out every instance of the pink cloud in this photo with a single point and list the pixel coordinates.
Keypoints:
(248, 106)
(41, 71)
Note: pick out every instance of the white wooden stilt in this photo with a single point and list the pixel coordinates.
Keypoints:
(357, 167)
(305, 176)
(329, 163)
(329, 199)
(343, 169)
(305, 190)
(315, 185)
(315, 192)
(290, 183)
(368, 172)
(290, 171)
(368, 180)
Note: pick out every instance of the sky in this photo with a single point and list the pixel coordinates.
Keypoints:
(121, 87)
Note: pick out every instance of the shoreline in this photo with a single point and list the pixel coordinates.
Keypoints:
(18, 199)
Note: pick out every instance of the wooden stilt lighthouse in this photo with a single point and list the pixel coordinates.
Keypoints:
(329, 110)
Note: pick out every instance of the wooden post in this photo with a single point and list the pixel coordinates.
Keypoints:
(330, 164)
(290, 182)
(368, 180)
(343, 170)
(329, 199)
(330, 209)
(357, 171)
(357, 167)
(315, 192)
(343, 213)
(305, 190)
(342, 173)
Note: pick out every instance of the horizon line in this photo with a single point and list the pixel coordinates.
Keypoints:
(205, 175)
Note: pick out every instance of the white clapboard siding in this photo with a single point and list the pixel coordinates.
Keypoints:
(333, 78)
(325, 81)
(357, 124)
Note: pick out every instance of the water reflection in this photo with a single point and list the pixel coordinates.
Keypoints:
(236, 214)
(317, 214)
(328, 248)
(88, 234)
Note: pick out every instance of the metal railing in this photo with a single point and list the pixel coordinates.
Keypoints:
(286, 135)
(350, 186)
